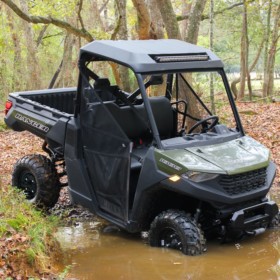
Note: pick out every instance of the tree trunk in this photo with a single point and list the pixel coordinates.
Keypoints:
(33, 80)
(97, 22)
(196, 11)
(65, 75)
(266, 45)
(144, 20)
(194, 20)
(186, 7)
(105, 2)
(243, 53)
(269, 77)
(211, 39)
(55, 76)
(120, 14)
(17, 74)
(169, 18)
(157, 26)
(41, 35)
(253, 65)
(247, 52)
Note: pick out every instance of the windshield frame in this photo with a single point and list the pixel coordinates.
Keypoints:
(220, 71)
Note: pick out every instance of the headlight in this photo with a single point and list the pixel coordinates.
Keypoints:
(199, 176)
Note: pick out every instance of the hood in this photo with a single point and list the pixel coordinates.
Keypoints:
(233, 157)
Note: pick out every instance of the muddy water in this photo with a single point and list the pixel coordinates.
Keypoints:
(94, 254)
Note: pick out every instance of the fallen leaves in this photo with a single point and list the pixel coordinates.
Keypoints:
(13, 146)
(12, 250)
(264, 126)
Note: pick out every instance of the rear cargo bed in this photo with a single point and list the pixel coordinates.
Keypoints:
(59, 99)
(44, 113)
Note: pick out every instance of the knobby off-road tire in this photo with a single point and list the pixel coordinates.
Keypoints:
(175, 229)
(37, 177)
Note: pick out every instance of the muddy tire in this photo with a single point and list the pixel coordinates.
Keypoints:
(275, 222)
(37, 177)
(175, 229)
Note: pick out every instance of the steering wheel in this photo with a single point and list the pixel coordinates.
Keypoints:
(204, 123)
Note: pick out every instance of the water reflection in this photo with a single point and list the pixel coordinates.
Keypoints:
(97, 255)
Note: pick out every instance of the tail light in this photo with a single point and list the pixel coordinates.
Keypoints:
(8, 106)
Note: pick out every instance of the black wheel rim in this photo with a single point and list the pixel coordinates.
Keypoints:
(169, 238)
(27, 183)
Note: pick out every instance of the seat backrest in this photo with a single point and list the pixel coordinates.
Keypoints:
(163, 114)
(104, 90)
(136, 127)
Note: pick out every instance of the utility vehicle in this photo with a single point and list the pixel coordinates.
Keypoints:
(169, 156)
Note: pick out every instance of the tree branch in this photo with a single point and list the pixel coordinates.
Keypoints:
(53, 35)
(41, 35)
(103, 7)
(116, 29)
(79, 14)
(203, 17)
(49, 20)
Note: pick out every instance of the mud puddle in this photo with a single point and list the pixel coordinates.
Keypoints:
(94, 254)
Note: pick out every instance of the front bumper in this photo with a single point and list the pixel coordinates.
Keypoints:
(219, 195)
(254, 217)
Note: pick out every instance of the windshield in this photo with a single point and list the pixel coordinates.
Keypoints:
(195, 97)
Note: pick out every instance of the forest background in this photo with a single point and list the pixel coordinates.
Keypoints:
(40, 40)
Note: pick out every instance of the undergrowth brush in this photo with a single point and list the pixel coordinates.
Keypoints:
(27, 244)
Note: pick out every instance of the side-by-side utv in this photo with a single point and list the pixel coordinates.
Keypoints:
(162, 149)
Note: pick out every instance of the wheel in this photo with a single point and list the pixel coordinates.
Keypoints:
(175, 229)
(205, 125)
(275, 222)
(37, 177)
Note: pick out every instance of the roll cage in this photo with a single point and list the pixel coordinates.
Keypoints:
(172, 93)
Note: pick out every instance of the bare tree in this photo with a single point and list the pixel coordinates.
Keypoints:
(266, 46)
(121, 73)
(34, 77)
(211, 40)
(269, 74)
(194, 20)
(144, 20)
(66, 68)
(157, 25)
(243, 52)
(17, 73)
(169, 19)
(186, 7)
(234, 83)
(97, 22)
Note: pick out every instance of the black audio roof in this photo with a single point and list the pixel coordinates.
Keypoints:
(145, 56)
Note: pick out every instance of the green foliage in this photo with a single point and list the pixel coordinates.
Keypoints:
(17, 222)
(3, 126)
(58, 9)
(20, 217)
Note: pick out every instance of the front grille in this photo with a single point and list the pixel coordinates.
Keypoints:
(244, 182)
